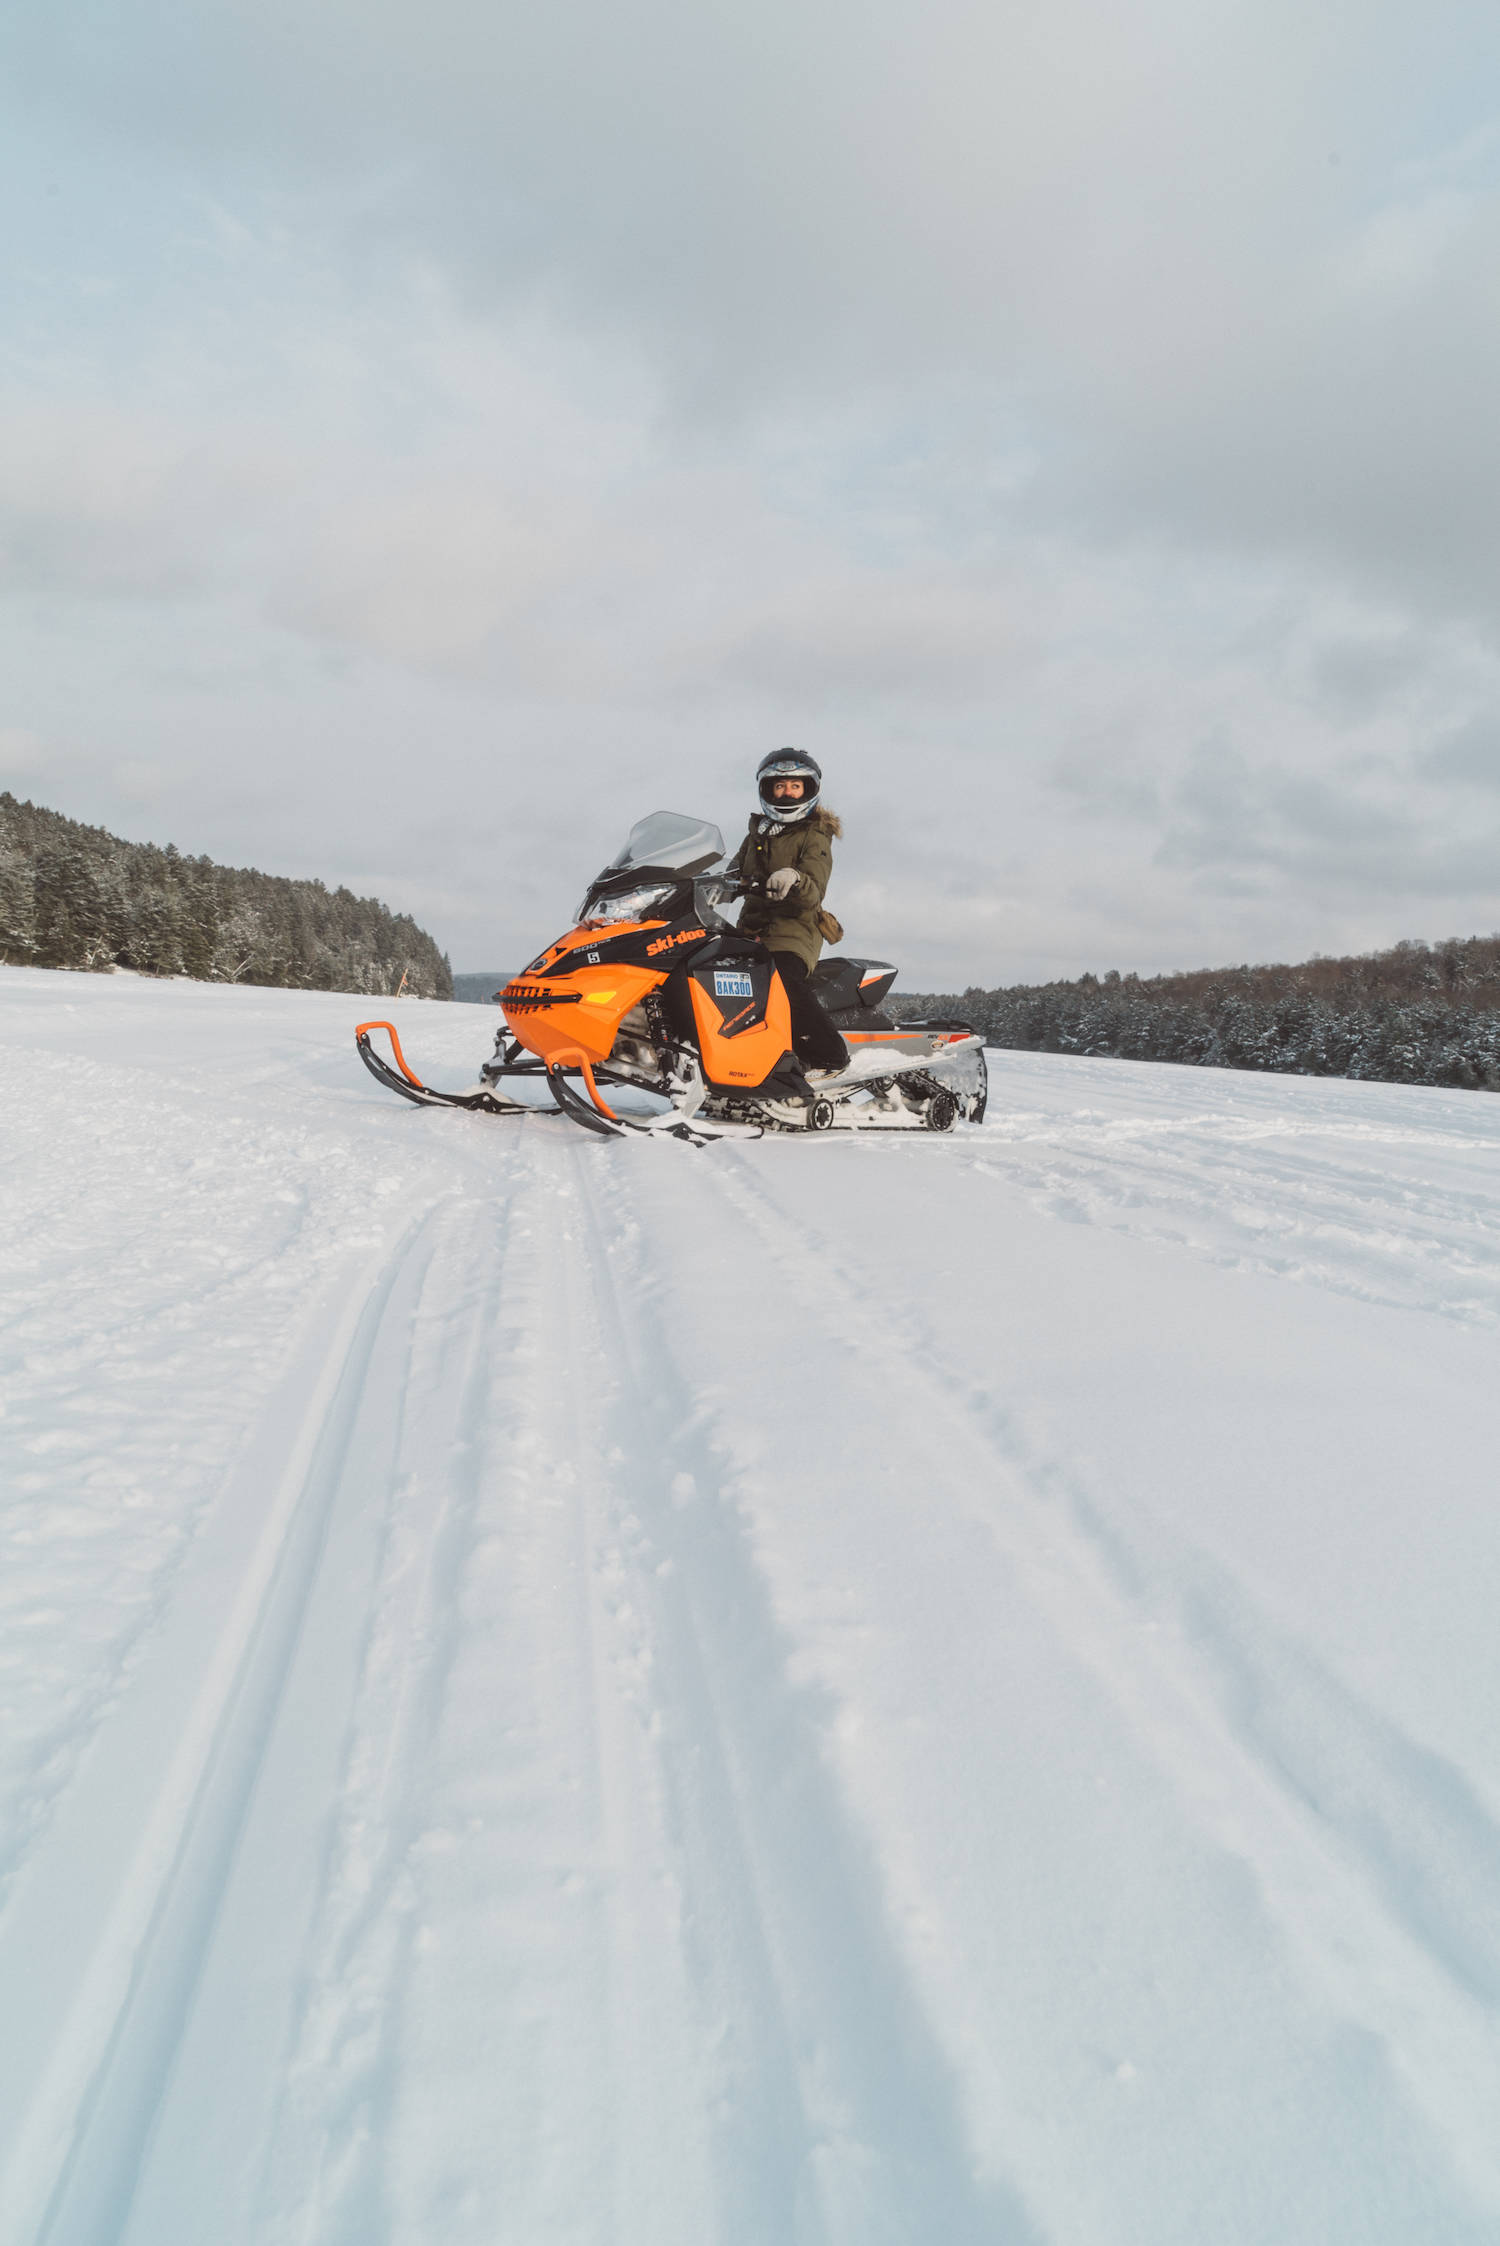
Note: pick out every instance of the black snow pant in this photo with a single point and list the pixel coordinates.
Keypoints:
(815, 1041)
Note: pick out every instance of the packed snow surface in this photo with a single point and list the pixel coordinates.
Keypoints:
(887, 1692)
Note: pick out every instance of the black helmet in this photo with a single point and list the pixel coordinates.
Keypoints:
(788, 764)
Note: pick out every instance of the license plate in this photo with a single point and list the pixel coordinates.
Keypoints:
(732, 983)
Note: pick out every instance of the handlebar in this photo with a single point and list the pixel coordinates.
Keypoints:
(714, 889)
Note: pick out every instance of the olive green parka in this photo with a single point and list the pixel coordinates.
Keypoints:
(792, 923)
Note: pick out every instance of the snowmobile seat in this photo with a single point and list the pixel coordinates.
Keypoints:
(854, 987)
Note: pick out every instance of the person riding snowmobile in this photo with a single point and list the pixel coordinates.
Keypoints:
(647, 991)
(789, 849)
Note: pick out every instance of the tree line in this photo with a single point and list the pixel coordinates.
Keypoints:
(76, 896)
(1417, 1014)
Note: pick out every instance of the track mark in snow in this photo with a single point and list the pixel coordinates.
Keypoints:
(1287, 1200)
(324, 2171)
(835, 2113)
(137, 1356)
(1405, 1817)
(495, 2013)
(1373, 1856)
(239, 1608)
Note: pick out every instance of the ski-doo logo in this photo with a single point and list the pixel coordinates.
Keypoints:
(670, 943)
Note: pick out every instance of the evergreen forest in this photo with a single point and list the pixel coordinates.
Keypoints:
(1417, 1014)
(75, 896)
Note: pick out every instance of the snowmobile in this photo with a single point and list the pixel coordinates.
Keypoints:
(654, 990)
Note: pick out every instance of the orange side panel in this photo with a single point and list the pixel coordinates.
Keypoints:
(749, 1058)
(598, 999)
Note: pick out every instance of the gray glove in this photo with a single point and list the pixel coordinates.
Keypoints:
(782, 882)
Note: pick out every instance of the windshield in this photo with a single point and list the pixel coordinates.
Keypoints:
(672, 841)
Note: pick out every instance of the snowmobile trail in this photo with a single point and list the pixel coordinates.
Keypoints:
(838, 2119)
(1329, 1197)
(1376, 1863)
(537, 1866)
(186, 1751)
(316, 1898)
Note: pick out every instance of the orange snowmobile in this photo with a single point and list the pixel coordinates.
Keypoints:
(653, 991)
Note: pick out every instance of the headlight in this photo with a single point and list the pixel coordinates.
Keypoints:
(632, 904)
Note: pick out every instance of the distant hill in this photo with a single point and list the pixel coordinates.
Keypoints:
(1417, 1014)
(75, 896)
(480, 989)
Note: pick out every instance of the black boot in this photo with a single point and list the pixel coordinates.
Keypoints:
(815, 1041)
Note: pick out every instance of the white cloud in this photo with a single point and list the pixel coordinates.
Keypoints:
(429, 436)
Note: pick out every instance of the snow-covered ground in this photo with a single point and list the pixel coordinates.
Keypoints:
(793, 1694)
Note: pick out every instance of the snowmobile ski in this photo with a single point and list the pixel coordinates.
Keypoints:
(483, 1100)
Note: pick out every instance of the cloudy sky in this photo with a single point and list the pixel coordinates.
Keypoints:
(433, 435)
